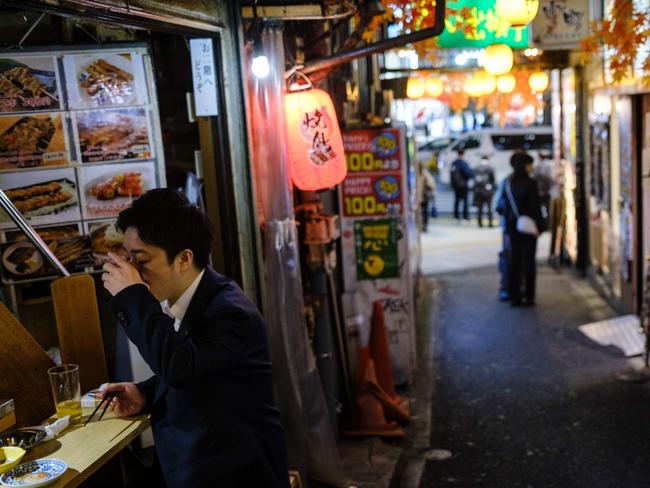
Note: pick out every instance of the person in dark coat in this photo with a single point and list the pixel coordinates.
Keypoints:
(522, 246)
(484, 188)
(214, 418)
(461, 174)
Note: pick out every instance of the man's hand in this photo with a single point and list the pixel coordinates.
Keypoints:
(119, 275)
(128, 399)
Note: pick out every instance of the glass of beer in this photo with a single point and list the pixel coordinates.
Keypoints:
(66, 390)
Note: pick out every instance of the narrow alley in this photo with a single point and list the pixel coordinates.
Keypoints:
(520, 396)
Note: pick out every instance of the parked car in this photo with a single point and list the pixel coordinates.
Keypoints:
(498, 145)
(427, 153)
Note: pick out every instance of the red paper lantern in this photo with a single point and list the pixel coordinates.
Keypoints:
(315, 145)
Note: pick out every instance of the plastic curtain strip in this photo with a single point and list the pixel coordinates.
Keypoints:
(310, 438)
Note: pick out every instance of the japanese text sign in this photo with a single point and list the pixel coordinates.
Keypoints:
(204, 77)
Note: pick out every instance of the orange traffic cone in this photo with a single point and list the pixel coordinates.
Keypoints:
(369, 418)
(380, 353)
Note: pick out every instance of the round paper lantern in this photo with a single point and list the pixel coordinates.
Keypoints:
(538, 81)
(486, 82)
(434, 87)
(471, 87)
(517, 12)
(498, 59)
(315, 146)
(506, 83)
(415, 87)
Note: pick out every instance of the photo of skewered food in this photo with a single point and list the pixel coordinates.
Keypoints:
(105, 83)
(108, 189)
(111, 135)
(43, 198)
(121, 185)
(28, 83)
(32, 140)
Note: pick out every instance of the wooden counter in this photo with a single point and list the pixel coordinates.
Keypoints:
(86, 449)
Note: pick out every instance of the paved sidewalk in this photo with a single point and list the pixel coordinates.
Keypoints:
(448, 246)
(522, 399)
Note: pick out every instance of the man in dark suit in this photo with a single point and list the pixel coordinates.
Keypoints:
(213, 415)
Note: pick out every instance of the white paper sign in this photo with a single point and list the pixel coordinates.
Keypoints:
(204, 77)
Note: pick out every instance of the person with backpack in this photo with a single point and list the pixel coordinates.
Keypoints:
(461, 174)
(484, 187)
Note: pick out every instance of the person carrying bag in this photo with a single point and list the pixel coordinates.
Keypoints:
(521, 207)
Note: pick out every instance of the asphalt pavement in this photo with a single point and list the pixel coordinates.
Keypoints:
(520, 398)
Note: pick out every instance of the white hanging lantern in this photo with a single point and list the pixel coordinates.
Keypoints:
(506, 83)
(415, 87)
(517, 12)
(498, 59)
(434, 87)
(538, 81)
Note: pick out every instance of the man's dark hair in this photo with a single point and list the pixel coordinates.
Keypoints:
(519, 160)
(164, 218)
(460, 152)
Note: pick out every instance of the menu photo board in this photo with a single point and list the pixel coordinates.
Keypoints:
(42, 197)
(108, 189)
(108, 135)
(21, 260)
(33, 140)
(29, 83)
(104, 79)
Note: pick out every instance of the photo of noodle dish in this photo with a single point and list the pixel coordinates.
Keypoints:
(113, 135)
(46, 198)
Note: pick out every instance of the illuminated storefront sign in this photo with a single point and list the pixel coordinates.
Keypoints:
(489, 28)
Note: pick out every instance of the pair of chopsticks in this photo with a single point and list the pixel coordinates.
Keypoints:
(106, 399)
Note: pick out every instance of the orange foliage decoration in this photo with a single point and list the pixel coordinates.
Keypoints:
(412, 16)
(623, 33)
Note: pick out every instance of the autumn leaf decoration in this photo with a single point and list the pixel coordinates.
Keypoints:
(624, 34)
(412, 16)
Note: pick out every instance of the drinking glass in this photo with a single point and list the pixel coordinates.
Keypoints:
(66, 390)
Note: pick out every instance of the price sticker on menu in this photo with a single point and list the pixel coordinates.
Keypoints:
(204, 77)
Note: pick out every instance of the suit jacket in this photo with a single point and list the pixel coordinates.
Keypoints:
(211, 399)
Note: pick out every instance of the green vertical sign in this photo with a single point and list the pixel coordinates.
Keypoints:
(376, 249)
(489, 27)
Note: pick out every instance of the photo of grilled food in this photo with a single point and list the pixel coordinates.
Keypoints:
(29, 136)
(105, 238)
(113, 135)
(22, 258)
(106, 83)
(72, 249)
(21, 83)
(43, 198)
(121, 185)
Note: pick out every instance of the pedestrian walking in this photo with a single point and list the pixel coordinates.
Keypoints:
(523, 219)
(428, 197)
(461, 174)
(484, 187)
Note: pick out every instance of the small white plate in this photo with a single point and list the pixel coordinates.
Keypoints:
(34, 474)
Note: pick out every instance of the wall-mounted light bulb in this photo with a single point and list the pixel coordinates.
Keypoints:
(260, 66)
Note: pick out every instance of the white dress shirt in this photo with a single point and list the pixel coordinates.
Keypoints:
(179, 308)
